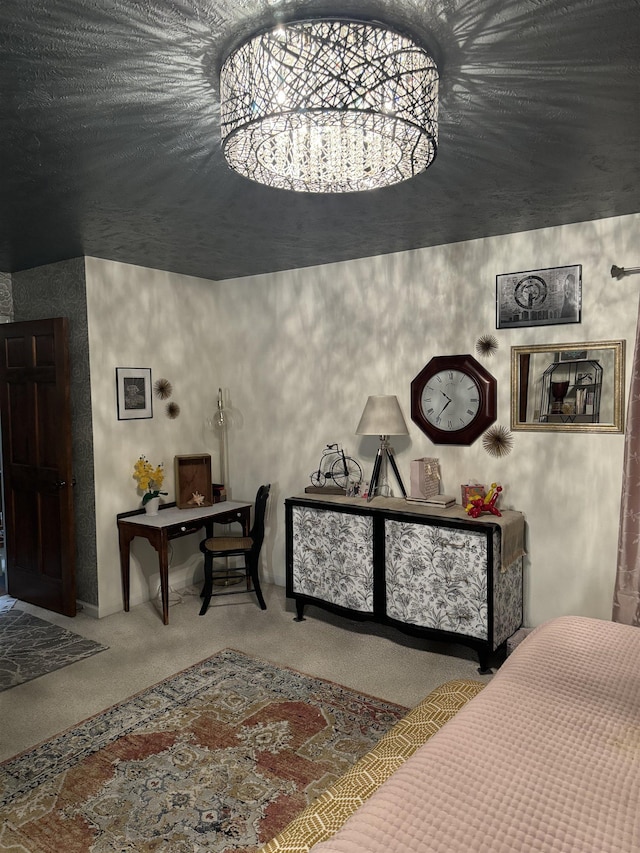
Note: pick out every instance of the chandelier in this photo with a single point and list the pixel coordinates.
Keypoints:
(329, 106)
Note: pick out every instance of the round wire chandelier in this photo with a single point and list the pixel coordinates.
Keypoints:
(329, 106)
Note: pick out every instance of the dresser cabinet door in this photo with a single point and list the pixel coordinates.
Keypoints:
(507, 596)
(436, 577)
(332, 557)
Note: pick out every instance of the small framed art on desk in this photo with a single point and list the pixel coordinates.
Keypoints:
(193, 480)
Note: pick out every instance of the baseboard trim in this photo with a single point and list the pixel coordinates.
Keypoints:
(89, 609)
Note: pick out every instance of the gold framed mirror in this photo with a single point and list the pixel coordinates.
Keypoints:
(575, 387)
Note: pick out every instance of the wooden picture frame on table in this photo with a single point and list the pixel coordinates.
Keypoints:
(193, 481)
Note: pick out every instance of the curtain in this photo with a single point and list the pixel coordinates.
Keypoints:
(626, 596)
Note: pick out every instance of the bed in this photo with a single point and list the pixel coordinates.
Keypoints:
(545, 759)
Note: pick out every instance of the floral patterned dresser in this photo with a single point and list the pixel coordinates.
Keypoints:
(427, 571)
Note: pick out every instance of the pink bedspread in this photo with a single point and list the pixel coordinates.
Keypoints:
(546, 758)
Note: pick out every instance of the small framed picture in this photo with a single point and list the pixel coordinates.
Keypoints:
(546, 297)
(133, 387)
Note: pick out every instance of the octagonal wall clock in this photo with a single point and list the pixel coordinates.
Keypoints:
(453, 399)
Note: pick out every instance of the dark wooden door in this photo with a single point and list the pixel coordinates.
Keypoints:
(37, 468)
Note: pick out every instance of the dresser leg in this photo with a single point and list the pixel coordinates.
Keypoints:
(299, 611)
(483, 658)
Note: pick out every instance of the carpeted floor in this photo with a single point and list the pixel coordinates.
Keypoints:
(6, 603)
(219, 757)
(31, 647)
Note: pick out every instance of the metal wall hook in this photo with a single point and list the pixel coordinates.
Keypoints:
(620, 272)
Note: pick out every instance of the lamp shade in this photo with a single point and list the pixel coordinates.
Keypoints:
(382, 416)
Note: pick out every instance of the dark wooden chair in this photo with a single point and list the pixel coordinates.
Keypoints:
(237, 546)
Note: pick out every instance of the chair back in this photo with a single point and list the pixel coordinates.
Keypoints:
(257, 531)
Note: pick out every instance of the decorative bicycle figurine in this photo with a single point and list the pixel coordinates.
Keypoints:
(335, 466)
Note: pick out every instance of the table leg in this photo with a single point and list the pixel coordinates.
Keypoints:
(159, 540)
(125, 537)
(163, 560)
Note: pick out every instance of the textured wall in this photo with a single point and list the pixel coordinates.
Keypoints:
(298, 353)
(58, 290)
(147, 318)
(303, 350)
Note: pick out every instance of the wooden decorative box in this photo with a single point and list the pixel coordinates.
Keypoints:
(193, 481)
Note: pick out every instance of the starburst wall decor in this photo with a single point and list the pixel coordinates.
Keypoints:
(163, 389)
(498, 441)
(487, 345)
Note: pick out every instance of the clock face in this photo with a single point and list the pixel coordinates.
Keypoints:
(453, 399)
(450, 400)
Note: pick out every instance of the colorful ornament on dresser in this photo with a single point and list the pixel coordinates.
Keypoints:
(150, 481)
(484, 503)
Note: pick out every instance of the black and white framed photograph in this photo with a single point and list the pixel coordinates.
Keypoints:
(133, 385)
(546, 297)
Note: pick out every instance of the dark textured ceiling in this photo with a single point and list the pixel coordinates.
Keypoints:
(109, 139)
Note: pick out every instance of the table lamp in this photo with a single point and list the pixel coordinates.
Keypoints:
(382, 416)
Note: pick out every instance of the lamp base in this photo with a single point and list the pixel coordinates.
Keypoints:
(387, 452)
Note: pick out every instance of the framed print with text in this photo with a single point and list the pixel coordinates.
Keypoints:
(545, 297)
(133, 387)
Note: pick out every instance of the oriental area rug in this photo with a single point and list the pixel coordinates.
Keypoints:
(31, 647)
(219, 757)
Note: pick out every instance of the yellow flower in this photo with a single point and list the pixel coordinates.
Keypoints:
(149, 479)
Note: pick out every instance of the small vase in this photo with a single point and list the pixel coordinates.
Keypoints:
(151, 506)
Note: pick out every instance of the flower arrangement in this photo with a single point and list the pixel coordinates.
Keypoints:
(149, 479)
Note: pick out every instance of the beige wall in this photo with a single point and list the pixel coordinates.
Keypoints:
(300, 351)
(146, 318)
